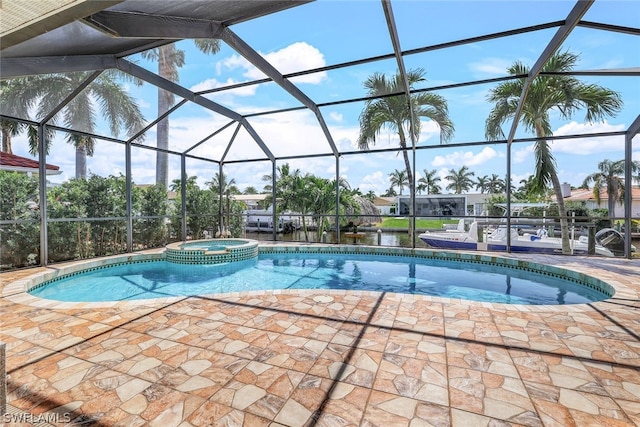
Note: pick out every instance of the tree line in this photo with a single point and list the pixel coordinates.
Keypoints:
(88, 217)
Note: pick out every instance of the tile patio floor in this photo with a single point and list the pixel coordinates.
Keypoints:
(326, 358)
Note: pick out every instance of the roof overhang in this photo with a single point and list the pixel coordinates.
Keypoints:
(77, 28)
(23, 169)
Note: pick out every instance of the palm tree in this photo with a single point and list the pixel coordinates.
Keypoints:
(429, 182)
(45, 92)
(399, 179)
(482, 183)
(220, 180)
(609, 177)
(495, 184)
(9, 128)
(371, 195)
(220, 186)
(559, 92)
(176, 184)
(528, 191)
(281, 171)
(391, 192)
(321, 200)
(294, 192)
(250, 190)
(460, 180)
(393, 112)
(285, 177)
(170, 59)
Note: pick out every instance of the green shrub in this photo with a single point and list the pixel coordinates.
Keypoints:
(20, 242)
(151, 232)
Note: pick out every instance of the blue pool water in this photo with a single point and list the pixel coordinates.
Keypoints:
(471, 281)
(213, 245)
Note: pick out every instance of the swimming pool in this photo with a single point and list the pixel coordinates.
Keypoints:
(469, 279)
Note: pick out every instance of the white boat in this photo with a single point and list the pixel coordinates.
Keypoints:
(495, 239)
(261, 221)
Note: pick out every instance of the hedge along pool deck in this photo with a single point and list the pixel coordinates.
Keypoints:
(358, 358)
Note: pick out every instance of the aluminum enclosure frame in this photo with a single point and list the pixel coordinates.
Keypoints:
(127, 31)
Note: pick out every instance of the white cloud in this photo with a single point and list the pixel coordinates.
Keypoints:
(442, 173)
(345, 143)
(581, 146)
(428, 130)
(377, 181)
(588, 145)
(516, 178)
(491, 66)
(522, 154)
(467, 158)
(213, 84)
(298, 56)
(336, 117)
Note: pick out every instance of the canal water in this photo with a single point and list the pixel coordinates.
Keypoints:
(371, 238)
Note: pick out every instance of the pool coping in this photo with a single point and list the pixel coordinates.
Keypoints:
(17, 290)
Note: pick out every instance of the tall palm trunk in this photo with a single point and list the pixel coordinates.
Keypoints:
(6, 141)
(165, 100)
(81, 161)
(162, 162)
(407, 165)
(562, 212)
(304, 226)
(611, 204)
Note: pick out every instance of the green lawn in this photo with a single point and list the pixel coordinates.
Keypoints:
(420, 223)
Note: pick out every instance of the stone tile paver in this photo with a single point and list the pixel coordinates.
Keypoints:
(325, 358)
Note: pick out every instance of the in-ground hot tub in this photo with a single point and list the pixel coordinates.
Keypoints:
(211, 251)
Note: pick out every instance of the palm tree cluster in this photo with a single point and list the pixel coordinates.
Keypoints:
(610, 178)
(460, 181)
(311, 196)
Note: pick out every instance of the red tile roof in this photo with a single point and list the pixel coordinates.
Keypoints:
(584, 194)
(7, 159)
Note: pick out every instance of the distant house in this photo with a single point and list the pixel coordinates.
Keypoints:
(455, 205)
(13, 163)
(386, 205)
(253, 201)
(586, 195)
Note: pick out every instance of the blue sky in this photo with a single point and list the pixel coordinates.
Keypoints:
(325, 33)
